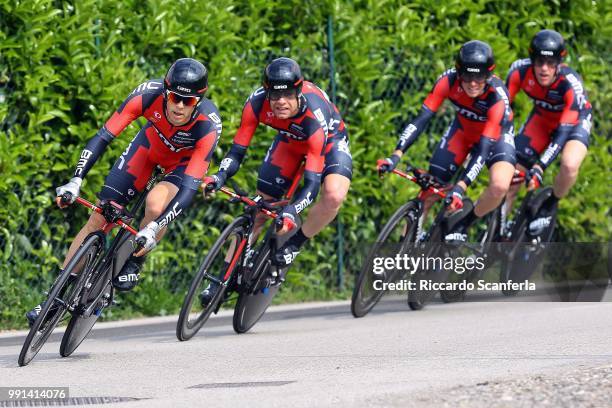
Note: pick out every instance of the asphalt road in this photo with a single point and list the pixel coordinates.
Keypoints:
(319, 355)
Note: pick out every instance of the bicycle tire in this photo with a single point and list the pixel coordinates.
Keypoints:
(253, 302)
(520, 236)
(360, 304)
(186, 328)
(34, 342)
(484, 237)
(417, 299)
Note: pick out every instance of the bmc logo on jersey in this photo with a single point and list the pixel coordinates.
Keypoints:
(471, 115)
(548, 106)
(151, 85)
(578, 89)
(476, 169)
(321, 118)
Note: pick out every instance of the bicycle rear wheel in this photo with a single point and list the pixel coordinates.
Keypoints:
(418, 298)
(400, 229)
(523, 259)
(193, 315)
(61, 296)
(482, 234)
(253, 302)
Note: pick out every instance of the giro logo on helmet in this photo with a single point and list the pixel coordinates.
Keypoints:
(180, 88)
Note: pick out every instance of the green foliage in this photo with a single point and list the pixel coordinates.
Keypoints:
(66, 66)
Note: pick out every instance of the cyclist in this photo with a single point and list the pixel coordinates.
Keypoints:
(309, 127)
(559, 123)
(482, 127)
(180, 134)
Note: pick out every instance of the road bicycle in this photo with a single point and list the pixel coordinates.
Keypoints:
(403, 234)
(83, 289)
(242, 270)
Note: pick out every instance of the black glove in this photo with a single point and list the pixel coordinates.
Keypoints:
(287, 217)
(215, 182)
(454, 198)
(387, 165)
(536, 174)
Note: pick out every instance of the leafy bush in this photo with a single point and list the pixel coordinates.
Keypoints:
(65, 67)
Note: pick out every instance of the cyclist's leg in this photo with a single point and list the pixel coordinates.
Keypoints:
(501, 163)
(448, 157)
(337, 176)
(573, 154)
(161, 195)
(276, 175)
(532, 139)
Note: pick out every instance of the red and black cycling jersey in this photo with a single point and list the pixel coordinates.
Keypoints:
(170, 146)
(560, 106)
(564, 101)
(317, 121)
(483, 119)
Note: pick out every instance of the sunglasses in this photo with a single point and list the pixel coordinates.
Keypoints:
(477, 77)
(277, 94)
(178, 98)
(550, 61)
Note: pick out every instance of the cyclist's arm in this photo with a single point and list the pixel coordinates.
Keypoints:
(490, 135)
(130, 110)
(513, 83)
(232, 160)
(315, 161)
(196, 168)
(430, 106)
(567, 122)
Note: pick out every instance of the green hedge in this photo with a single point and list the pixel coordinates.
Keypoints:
(66, 66)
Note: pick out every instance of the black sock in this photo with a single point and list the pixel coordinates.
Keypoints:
(298, 239)
(137, 259)
(553, 199)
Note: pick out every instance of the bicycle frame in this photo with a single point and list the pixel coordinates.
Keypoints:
(253, 207)
(118, 219)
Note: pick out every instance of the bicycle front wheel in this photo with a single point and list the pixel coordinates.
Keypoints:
(61, 296)
(227, 250)
(400, 229)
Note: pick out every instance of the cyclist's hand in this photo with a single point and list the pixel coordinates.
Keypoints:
(534, 177)
(70, 191)
(518, 177)
(212, 184)
(454, 198)
(387, 165)
(286, 220)
(147, 238)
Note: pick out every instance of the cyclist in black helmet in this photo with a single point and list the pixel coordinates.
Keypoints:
(180, 134)
(558, 125)
(309, 127)
(482, 127)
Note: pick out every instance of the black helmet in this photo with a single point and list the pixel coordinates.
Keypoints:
(187, 77)
(283, 74)
(475, 58)
(547, 43)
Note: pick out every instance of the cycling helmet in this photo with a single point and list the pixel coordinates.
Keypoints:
(187, 77)
(475, 58)
(283, 74)
(547, 43)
